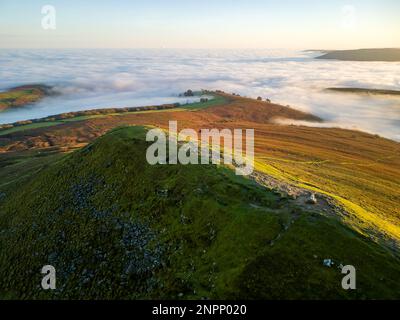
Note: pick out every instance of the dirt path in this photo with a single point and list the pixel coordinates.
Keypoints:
(323, 205)
(297, 195)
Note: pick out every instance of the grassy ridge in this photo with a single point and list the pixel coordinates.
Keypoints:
(101, 113)
(116, 227)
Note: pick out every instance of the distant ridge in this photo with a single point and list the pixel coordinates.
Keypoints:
(388, 54)
(366, 91)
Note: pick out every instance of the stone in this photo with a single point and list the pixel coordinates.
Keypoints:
(328, 263)
(312, 199)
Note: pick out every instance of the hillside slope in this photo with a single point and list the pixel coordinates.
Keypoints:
(360, 171)
(115, 227)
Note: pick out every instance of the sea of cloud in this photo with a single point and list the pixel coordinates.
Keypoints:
(91, 79)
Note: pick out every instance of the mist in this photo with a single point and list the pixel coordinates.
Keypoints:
(89, 79)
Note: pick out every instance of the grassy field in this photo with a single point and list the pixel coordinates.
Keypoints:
(30, 126)
(217, 100)
(117, 228)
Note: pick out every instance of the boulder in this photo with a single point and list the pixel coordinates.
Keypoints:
(328, 263)
(311, 199)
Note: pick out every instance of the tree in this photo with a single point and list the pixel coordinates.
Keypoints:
(188, 93)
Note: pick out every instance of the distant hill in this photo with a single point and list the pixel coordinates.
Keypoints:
(23, 95)
(390, 54)
(366, 91)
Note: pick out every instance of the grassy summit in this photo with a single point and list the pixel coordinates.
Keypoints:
(115, 227)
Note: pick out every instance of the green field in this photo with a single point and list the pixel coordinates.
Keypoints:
(217, 100)
(30, 126)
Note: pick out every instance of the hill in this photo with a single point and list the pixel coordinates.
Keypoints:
(23, 95)
(390, 55)
(366, 91)
(337, 163)
(116, 227)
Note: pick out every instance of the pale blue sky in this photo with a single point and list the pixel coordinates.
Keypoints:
(296, 24)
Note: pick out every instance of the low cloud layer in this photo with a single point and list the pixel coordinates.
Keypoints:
(117, 78)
